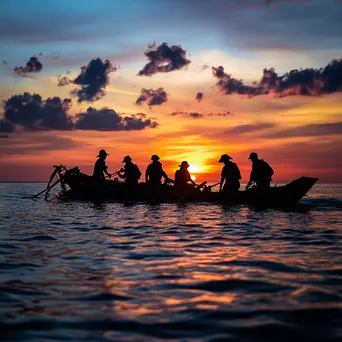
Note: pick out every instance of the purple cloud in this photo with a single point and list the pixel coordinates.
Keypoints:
(199, 96)
(92, 80)
(33, 65)
(152, 97)
(6, 126)
(192, 115)
(107, 119)
(304, 82)
(33, 113)
(164, 58)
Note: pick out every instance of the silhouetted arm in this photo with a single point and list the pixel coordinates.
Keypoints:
(120, 175)
(251, 180)
(221, 183)
(146, 175)
(106, 172)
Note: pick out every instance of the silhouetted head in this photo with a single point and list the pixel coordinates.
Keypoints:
(224, 158)
(155, 157)
(184, 163)
(127, 159)
(253, 156)
(102, 154)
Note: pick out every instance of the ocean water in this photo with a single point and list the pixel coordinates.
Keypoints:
(83, 271)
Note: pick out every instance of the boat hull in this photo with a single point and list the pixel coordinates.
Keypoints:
(83, 187)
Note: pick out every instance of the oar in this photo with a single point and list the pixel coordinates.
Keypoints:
(211, 186)
(47, 189)
(58, 169)
(192, 190)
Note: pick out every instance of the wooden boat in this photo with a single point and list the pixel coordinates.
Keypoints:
(77, 185)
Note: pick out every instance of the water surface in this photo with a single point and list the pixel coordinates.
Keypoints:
(192, 272)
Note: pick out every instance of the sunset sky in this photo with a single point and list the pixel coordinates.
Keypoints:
(173, 78)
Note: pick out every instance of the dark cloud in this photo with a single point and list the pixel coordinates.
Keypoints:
(152, 97)
(195, 115)
(33, 113)
(6, 126)
(311, 130)
(304, 82)
(164, 58)
(33, 65)
(107, 119)
(221, 114)
(92, 80)
(199, 96)
(63, 81)
(192, 115)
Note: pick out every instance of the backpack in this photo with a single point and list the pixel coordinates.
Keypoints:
(137, 171)
(267, 170)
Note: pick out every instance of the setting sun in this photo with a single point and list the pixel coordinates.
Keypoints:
(194, 169)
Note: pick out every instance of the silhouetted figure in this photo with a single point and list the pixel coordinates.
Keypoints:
(100, 166)
(230, 176)
(182, 176)
(131, 172)
(261, 172)
(155, 172)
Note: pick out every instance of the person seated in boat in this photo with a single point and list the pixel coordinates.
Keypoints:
(230, 176)
(130, 172)
(155, 172)
(182, 177)
(261, 172)
(100, 167)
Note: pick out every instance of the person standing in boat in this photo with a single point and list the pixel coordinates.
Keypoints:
(155, 172)
(230, 176)
(130, 172)
(182, 176)
(100, 167)
(261, 172)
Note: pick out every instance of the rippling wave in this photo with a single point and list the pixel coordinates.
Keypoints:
(110, 272)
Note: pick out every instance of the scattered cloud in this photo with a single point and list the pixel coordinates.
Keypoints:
(152, 97)
(304, 82)
(32, 66)
(33, 113)
(107, 119)
(221, 114)
(28, 112)
(195, 115)
(199, 96)
(92, 80)
(192, 115)
(164, 58)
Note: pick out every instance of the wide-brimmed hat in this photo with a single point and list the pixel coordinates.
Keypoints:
(184, 163)
(155, 157)
(102, 153)
(127, 158)
(224, 157)
(253, 155)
